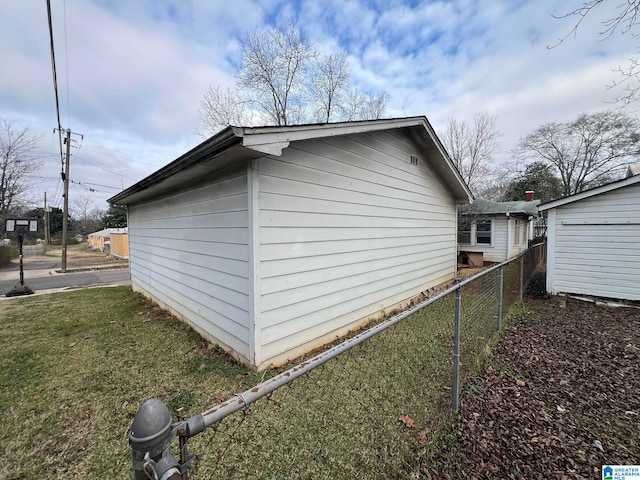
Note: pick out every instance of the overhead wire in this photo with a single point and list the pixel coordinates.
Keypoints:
(83, 184)
(57, 190)
(97, 165)
(55, 80)
(66, 58)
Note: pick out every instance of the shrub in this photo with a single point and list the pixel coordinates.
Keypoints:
(6, 254)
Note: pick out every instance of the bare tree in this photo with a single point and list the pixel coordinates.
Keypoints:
(283, 80)
(472, 148)
(273, 71)
(375, 106)
(353, 104)
(220, 109)
(329, 83)
(86, 214)
(357, 105)
(586, 152)
(627, 18)
(18, 164)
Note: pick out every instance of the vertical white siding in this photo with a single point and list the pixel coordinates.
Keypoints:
(521, 243)
(498, 251)
(189, 251)
(348, 226)
(596, 248)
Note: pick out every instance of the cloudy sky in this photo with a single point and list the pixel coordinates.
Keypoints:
(131, 74)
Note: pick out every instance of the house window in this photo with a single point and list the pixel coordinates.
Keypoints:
(464, 231)
(483, 232)
(516, 232)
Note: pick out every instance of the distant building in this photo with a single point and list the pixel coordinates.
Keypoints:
(494, 231)
(102, 240)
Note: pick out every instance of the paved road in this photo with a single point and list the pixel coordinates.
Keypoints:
(42, 276)
(32, 265)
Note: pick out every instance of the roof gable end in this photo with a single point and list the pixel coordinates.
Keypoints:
(234, 143)
(591, 192)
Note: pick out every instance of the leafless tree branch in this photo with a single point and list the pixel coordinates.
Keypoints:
(18, 164)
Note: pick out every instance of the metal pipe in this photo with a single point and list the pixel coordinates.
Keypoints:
(500, 297)
(521, 291)
(199, 422)
(455, 403)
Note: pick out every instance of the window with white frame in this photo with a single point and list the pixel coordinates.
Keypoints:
(483, 232)
(475, 231)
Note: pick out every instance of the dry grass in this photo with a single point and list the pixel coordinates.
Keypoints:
(81, 255)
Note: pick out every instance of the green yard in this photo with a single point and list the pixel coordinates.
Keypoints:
(76, 366)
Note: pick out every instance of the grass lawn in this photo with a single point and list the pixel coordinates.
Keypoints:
(76, 366)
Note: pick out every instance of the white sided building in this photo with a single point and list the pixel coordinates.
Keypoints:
(493, 232)
(593, 241)
(272, 241)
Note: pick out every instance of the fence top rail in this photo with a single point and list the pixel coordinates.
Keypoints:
(199, 422)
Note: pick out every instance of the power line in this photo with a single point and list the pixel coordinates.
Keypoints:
(66, 58)
(82, 184)
(99, 185)
(55, 80)
(97, 165)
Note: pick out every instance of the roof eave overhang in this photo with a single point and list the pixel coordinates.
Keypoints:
(272, 140)
(182, 167)
(236, 143)
(590, 193)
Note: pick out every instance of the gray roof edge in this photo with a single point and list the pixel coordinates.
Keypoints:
(482, 206)
(237, 135)
(217, 143)
(592, 192)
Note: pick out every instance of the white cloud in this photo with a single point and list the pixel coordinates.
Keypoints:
(137, 70)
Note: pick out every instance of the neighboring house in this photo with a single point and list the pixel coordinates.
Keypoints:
(102, 240)
(593, 241)
(272, 241)
(120, 243)
(494, 231)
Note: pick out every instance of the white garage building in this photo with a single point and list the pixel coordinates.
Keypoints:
(594, 241)
(271, 241)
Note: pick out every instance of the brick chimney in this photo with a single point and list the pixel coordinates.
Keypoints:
(528, 195)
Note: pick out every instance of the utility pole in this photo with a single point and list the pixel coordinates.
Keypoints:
(65, 214)
(46, 221)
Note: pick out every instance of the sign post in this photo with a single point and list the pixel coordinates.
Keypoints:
(20, 226)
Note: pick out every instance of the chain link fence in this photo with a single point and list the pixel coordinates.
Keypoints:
(367, 408)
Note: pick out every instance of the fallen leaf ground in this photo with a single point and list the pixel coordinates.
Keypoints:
(559, 398)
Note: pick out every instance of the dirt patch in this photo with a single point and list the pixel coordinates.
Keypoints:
(559, 398)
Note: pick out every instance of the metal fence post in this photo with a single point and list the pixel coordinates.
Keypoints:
(500, 295)
(521, 291)
(455, 404)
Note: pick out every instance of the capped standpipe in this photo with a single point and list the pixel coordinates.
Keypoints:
(150, 438)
